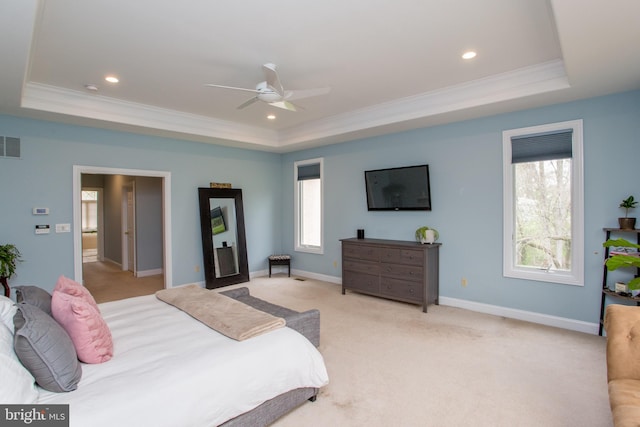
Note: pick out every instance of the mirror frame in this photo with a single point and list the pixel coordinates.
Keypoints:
(204, 195)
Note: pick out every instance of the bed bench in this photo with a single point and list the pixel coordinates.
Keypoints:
(306, 323)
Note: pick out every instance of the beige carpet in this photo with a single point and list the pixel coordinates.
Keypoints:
(107, 282)
(392, 365)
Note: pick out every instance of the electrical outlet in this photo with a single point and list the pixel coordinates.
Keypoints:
(335, 264)
(463, 282)
(197, 268)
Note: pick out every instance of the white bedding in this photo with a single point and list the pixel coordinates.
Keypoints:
(170, 370)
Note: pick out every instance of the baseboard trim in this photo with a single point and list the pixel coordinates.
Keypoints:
(529, 316)
(145, 273)
(316, 276)
(294, 272)
(511, 313)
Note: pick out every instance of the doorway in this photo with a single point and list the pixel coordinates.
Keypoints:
(162, 215)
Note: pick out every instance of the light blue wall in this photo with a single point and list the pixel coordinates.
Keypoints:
(465, 161)
(43, 178)
(466, 171)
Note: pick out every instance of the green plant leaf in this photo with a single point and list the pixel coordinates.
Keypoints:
(620, 243)
(634, 284)
(9, 257)
(620, 261)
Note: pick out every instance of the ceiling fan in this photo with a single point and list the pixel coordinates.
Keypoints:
(272, 92)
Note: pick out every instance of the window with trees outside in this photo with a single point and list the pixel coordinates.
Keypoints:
(543, 203)
(308, 203)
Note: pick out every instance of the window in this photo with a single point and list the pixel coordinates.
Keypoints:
(308, 205)
(543, 203)
(89, 210)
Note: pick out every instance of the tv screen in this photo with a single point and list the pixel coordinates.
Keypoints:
(398, 189)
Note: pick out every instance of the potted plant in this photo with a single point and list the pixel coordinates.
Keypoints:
(627, 223)
(9, 258)
(622, 260)
(427, 235)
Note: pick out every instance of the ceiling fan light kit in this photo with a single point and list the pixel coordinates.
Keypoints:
(272, 92)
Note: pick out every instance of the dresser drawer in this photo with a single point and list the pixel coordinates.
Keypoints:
(361, 266)
(400, 271)
(361, 281)
(402, 256)
(360, 252)
(402, 290)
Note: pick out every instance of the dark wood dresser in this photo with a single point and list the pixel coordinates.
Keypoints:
(393, 269)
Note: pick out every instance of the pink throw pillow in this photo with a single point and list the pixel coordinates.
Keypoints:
(75, 309)
(73, 288)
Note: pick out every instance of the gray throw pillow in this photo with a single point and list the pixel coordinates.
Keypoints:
(35, 296)
(45, 349)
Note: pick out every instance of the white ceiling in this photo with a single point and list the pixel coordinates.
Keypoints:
(391, 66)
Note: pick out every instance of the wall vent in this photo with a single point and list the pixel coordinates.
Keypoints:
(9, 147)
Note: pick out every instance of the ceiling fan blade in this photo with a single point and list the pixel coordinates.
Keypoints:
(272, 78)
(247, 103)
(232, 87)
(286, 105)
(305, 93)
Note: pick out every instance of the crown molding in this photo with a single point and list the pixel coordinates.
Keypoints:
(43, 97)
(534, 80)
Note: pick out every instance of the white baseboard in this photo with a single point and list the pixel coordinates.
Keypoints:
(294, 272)
(511, 313)
(316, 276)
(145, 273)
(529, 316)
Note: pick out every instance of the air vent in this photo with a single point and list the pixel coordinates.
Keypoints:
(9, 147)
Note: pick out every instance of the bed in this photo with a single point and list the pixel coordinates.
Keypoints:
(168, 369)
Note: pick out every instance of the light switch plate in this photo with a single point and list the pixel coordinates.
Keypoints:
(63, 228)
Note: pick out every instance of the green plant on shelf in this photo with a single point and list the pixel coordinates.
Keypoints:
(628, 203)
(617, 261)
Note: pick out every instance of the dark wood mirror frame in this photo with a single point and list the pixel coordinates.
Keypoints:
(205, 195)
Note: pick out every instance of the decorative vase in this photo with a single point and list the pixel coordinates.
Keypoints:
(429, 237)
(627, 223)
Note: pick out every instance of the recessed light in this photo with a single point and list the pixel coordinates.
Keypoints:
(469, 55)
(271, 117)
(112, 79)
(90, 87)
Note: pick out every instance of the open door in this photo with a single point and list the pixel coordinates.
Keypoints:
(129, 229)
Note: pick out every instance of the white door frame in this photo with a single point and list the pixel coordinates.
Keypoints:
(78, 170)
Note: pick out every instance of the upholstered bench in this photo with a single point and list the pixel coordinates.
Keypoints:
(280, 260)
(307, 323)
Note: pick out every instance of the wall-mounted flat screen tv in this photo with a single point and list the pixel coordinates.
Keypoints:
(398, 189)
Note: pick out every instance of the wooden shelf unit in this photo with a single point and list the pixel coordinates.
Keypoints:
(606, 290)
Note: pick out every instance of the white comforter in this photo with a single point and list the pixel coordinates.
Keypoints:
(170, 370)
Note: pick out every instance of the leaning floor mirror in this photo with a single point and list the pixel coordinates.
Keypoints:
(224, 244)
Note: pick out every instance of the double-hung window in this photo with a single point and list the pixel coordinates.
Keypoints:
(308, 205)
(543, 203)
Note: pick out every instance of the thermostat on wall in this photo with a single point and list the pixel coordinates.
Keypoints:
(42, 229)
(41, 211)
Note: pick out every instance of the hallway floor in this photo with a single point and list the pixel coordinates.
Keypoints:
(107, 282)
